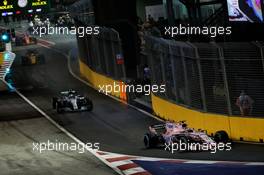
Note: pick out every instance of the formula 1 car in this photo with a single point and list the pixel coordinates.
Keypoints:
(71, 101)
(25, 40)
(170, 132)
(32, 57)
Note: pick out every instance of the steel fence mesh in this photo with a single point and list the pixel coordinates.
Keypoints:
(100, 52)
(208, 76)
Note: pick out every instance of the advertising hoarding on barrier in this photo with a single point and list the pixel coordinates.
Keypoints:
(17, 7)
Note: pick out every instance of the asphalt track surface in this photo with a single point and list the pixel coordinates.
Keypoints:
(117, 127)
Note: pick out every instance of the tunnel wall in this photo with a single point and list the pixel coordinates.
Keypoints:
(250, 129)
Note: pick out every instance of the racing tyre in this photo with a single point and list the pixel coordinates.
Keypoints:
(58, 107)
(41, 59)
(54, 102)
(182, 140)
(221, 136)
(90, 106)
(148, 141)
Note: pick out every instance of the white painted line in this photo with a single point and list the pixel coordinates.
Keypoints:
(47, 41)
(61, 128)
(256, 163)
(123, 162)
(42, 45)
(112, 156)
(200, 162)
(133, 171)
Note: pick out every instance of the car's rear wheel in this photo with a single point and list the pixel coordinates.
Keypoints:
(150, 141)
(41, 59)
(89, 104)
(221, 136)
(147, 141)
(54, 102)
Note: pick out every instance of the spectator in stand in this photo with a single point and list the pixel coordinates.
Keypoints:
(245, 103)
(60, 21)
(151, 20)
(30, 28)
(146, 75)
(47, 22)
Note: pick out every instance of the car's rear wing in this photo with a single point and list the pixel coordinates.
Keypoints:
(67, 92)
(159, 128)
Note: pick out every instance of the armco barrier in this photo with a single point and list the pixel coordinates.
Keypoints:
(238, 128)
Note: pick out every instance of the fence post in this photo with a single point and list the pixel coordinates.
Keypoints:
(119, 52)
(261, 53)
(222, 61)
(114, 59)
(163, 70)
(97, 54)
(173, 75)
(198, 61)
(106, 55)
(187, 90)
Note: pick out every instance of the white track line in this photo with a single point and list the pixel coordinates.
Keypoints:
(133, 171)
(123, 162)
(93, 152)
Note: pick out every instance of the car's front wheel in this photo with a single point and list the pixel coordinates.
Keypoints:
(54, 102)
(221, 136)
(89, 104)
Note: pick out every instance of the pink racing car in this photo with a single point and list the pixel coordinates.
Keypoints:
(169, 132)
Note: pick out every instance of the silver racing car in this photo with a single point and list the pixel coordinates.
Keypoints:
(71, 101)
